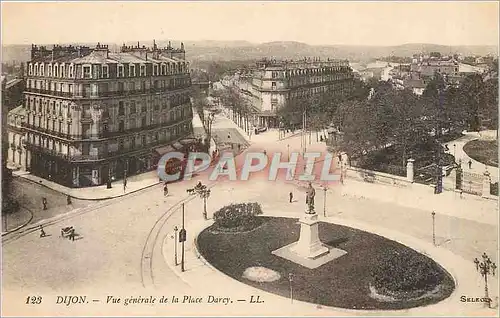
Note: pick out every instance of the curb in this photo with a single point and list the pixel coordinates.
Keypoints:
(22, 225)
(83, 198)
(435, 253)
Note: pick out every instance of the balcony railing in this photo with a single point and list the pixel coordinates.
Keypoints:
(46, 131)
(45, 151)
(49, 92)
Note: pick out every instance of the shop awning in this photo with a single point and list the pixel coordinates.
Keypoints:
(188, 141)
(177, 145)
(165, 149)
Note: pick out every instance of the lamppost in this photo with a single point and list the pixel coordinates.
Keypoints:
(454, 152)
(290, 279)
(210, 120)
(325, 189)
(175, 244)
(485, 268)
(182, 238)
(433, 228)
(204, 193)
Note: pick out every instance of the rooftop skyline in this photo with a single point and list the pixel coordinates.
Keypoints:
(317, 23)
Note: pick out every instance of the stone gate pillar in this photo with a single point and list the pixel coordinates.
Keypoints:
(486, 184)
(410, 173)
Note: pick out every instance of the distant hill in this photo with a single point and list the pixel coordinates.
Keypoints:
(208, 50)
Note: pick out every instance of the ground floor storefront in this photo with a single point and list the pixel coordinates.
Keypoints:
(99, 172)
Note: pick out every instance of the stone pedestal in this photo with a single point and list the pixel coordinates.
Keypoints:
(309, 245)
(309, 251)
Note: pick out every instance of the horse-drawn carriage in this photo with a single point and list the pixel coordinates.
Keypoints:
(68, 232)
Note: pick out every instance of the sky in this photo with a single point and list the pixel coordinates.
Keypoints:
(328, 23)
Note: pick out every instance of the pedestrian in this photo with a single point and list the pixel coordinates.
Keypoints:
(72, 235)
(239, 147)
(340, 158)
(42, 232)
(470, 164)
(461, 192)
(291, 197)
(265, 153)
(68, 199)
(165, 190)
(124, 184)
(44, 202)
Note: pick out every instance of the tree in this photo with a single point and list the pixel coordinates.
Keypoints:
(239, 105)
(473, 97)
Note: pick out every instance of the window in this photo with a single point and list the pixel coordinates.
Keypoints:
(132, 143)
(56, 70)
(143, 86)
(121, 144)
(42, 69)
(120, 87)
(131, 70)
(61, 71)
(143, 70)
(155, 70)
(105, 71)
(163, 69)
(131, 123)
(105, 129)
(120, 71)
(143, 140)
(30, 70)
(273, 84)
(121, 126)
(144, 108)
(71, 71)
(121, 109)
(85, 131)
(143, 121)
(86, 72)
(132, 107)
(85, 149)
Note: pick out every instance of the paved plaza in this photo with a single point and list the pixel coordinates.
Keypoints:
(125, 247)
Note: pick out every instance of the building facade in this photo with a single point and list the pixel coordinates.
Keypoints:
(90, 115)
(273, 84)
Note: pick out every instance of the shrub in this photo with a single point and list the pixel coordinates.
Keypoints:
(238, 217)
(406, 273)
(494, 188)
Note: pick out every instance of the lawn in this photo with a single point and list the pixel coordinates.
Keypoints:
(484, 151)
(344, 282)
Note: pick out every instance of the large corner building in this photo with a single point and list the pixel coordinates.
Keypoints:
(273, 84)
(90, 115)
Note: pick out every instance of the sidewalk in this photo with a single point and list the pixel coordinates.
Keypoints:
(418, 196)
(14, 221)
(476, 167)
(134, 183)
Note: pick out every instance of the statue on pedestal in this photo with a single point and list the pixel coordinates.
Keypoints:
(311, 193)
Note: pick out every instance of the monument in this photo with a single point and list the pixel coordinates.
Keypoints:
(309, 251)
